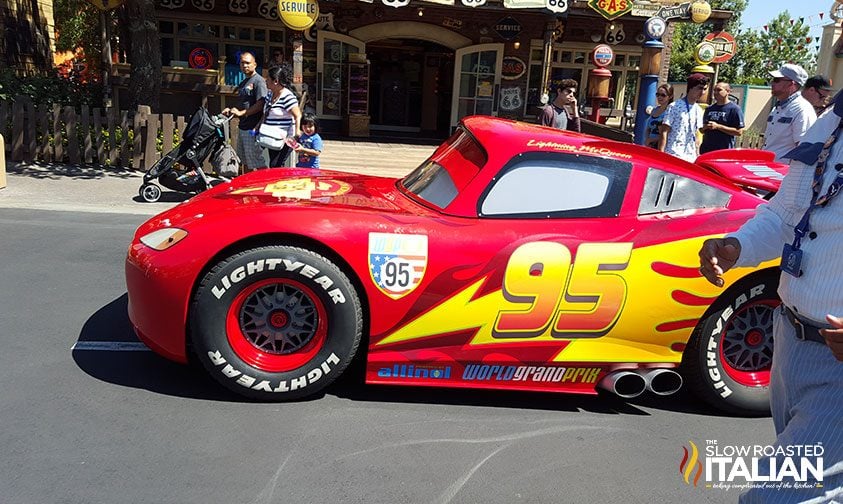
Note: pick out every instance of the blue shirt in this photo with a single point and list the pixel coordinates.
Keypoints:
(313, 142)
(727, 114)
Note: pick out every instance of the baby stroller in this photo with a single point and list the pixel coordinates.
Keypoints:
(181, 169)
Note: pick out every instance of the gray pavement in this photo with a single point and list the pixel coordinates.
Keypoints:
(45, 186)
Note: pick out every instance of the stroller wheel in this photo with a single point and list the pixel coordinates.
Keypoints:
(150, 193)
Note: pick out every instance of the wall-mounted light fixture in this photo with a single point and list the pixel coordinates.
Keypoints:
(420, 12)
(516, 44)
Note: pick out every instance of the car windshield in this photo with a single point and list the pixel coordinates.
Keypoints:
(441, 177)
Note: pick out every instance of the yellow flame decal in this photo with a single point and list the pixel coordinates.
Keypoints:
(651, 316)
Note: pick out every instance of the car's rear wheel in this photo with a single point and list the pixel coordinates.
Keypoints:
(728, 360)
(276, 323)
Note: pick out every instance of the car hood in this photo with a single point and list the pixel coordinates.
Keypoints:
(296, 187)
(301, 189)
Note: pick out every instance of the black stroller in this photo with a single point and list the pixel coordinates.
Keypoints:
(181, 169)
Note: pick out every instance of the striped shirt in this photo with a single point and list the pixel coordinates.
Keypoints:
(279, 112)
(819, 290)
(786, 124)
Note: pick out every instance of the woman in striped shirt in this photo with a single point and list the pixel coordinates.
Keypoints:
(281, 112)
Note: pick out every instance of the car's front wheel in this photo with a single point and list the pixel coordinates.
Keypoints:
(276, 323)
(728, 360)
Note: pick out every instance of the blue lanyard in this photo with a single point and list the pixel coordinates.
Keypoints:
(817, 201)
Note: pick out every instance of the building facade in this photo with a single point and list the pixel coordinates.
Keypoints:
(406, 66)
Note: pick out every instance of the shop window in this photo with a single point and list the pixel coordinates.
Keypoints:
(276, 36)
(167, 50)
(166, 27)
(535, 54)
(567, 57)
(579, 57)
(620, 59)
(634, 61)
(260, 35)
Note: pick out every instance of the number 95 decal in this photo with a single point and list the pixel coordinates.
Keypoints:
(572, 299)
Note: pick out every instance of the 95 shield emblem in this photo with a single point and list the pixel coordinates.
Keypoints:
(397, 262)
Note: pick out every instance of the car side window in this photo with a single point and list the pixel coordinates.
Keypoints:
(669, 192)
(541, 185)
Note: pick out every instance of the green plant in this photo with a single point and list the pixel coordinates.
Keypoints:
(50, 89)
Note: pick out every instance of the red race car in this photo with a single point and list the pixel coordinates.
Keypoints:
(515, 257)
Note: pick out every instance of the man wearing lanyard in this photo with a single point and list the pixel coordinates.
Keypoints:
(802, 224)
(792, 115)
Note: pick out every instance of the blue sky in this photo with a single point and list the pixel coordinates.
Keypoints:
(760, 12)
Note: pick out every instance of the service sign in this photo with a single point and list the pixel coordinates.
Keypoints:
(513, 68)
(725, 46)
(603, 55)
(298, 14)
(611, 9)
(508, 28)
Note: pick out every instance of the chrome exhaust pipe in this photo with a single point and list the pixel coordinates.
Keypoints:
(661, 381)
(624, 384)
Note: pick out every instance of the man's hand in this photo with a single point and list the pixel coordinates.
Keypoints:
(834, 336)
(717, 256)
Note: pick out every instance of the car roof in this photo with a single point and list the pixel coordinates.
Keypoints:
(522, 136)
(503, 139)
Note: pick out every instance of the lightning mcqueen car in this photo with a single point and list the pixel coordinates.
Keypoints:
(516, 257)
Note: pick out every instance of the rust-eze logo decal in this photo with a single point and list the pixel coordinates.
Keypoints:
(397, 262)
(305, 188)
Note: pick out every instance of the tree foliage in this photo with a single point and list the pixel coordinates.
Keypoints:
(785, 40)
(78, 27)
(688, 35)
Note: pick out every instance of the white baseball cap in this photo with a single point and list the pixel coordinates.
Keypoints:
(793, 72)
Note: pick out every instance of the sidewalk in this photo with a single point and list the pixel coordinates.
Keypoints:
(115, 190)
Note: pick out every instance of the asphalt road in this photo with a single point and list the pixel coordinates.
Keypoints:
(119, 424)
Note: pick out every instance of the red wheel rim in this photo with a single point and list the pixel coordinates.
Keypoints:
(276, 325)
(746, 343)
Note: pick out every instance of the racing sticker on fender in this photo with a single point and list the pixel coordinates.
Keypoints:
(397, 262)
(300, 188)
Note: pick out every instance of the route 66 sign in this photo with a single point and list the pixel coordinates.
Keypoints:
(203, 5)
(614, 33)
(238, 6)
(559, 6)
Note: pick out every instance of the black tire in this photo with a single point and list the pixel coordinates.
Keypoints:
(276, 323)
(728, 359)
(150, 193)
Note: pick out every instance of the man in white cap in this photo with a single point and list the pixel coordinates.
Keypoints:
(792, 114)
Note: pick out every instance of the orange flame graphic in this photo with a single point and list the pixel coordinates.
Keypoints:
(690, 465)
